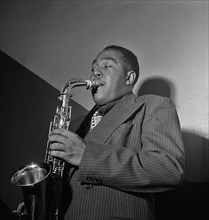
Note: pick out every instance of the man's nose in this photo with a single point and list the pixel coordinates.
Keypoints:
(97, 72)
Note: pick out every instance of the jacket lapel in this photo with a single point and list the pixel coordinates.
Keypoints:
(120, 112)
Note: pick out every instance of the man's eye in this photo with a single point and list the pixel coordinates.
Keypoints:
(107, 66)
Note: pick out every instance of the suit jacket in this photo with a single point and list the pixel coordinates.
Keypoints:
(134, 151)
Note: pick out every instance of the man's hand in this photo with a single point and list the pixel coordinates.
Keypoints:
(67, 146)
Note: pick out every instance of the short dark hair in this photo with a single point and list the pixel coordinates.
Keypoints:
(130, 59)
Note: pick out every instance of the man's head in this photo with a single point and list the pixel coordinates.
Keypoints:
(117, 69)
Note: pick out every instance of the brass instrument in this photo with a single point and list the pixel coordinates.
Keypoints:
(41, 182)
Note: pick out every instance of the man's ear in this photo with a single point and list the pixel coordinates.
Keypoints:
(130, 77)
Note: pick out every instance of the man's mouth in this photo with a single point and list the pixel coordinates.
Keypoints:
(98, 84)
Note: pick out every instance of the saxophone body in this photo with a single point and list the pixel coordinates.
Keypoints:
(41, 182)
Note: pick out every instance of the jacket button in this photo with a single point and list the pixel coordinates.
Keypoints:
(88, 186)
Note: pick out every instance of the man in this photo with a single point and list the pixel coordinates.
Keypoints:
(134, 151)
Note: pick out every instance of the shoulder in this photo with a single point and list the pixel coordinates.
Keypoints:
(149, 101)
(153, 99)
(153, 103)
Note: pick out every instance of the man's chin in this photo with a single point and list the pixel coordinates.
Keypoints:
(98, 99)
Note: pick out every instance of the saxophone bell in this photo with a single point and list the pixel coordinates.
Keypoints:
(31, 178)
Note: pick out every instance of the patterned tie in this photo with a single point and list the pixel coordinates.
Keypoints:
(95, 120)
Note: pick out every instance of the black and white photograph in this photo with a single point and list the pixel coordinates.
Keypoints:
(104, 110)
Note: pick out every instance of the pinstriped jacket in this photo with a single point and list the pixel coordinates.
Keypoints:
(134, 151)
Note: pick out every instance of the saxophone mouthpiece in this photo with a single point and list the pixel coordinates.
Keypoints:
(90, 84)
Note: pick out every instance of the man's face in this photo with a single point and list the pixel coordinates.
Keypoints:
(108, 69)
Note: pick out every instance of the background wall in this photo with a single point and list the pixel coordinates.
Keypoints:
(57, 41)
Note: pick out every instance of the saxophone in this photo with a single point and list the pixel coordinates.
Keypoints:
(41, 182)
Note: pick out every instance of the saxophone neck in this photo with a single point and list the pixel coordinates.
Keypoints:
(77, 82)
(69, 85)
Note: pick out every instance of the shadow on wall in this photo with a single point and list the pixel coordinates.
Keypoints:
(158, 86)
(191, 200)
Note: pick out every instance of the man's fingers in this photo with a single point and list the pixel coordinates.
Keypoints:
(56, 147)
(62, 132)
(56, 138)
(56, 153)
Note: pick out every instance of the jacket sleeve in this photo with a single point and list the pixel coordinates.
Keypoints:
(155, 164)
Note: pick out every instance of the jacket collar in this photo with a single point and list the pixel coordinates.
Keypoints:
(120, 112)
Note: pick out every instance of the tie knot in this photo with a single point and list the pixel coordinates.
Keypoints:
(95, 119)
(96, 113)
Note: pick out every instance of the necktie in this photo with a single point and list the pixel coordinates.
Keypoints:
(95, 120)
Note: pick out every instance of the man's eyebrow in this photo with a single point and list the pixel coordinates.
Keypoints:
(105, 58)
(110, 58)
(94, 61)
